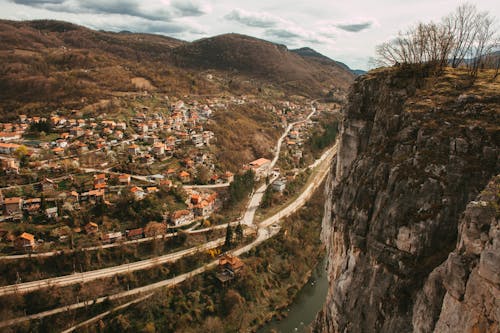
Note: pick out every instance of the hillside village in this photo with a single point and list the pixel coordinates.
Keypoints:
(62, 172)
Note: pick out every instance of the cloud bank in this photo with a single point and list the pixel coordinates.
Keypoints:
(151, 10)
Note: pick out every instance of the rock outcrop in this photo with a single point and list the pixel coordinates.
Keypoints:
(414, 153)
(470, 278)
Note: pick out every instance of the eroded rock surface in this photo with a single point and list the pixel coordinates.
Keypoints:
(411, 162)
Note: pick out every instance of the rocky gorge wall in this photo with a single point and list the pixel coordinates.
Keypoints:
(413, 157)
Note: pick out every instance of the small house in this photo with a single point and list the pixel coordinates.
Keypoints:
(159, 148)
(135, 233)
(138, 192)
(26, 242)
(229, 267)
(279, 185)
(51, 212)
(181, 217)
(133, 149)
(111, 237)
(184, 176)
(152, 189)
(260, 166)
(13, 205)
(91, 228)
(124, 179)
(166, 183)
(32, 205)
(228, 177)
(100, 179)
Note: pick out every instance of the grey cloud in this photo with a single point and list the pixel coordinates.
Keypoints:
(257, 20)
(188, 8)
(293, 36)
(282, 33)
(151, 11)
(140, 25)
(37, 3)
(356, 27)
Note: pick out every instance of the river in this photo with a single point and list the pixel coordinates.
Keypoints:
(305, 306)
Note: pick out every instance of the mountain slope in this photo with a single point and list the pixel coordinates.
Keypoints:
(52, 64)
(256, 57)
(309, 53)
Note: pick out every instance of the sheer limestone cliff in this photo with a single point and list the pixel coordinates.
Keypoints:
(410, 249)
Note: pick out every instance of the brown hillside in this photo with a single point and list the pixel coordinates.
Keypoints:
(274, 62)
(47, 65)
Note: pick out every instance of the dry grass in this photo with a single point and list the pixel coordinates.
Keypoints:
(454, 99)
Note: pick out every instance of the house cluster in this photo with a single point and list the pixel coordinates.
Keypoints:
(199, 205)
(160, 134)
(290, 111)
(296, 137)
(150, 135)
(16, 206)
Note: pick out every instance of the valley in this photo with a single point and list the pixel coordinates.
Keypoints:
(219, 182)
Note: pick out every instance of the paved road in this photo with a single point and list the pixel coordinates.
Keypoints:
(106, 272)
(288, 129)
(306, 194)
(75, 306)
(267, 229)
(253, 205)
(144, 264)
(206, 186)
(104, 314)
(107, 246)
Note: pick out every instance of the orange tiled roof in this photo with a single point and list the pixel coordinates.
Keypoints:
(27, 236)
(259, 162)
(136, 189)
(180, 213)
(13, 200)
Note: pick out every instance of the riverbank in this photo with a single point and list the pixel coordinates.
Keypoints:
(302, 311)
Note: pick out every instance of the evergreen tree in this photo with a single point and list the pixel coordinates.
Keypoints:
(229, 237)
(239, 232)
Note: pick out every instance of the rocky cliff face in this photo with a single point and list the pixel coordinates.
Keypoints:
(414, 153)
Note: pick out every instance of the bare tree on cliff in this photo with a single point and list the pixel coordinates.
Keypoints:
(483, 46)
(425, 43)
(464, 37)
(463, 24)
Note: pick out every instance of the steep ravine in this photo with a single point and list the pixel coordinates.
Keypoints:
(414, 155)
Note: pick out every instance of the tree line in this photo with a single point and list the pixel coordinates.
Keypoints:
(466, 37)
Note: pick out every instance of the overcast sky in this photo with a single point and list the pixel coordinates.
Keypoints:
(346, 30)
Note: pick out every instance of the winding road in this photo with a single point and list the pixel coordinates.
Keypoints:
(265, 230)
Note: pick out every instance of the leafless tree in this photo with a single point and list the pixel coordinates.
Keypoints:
(464, 37)
(483, 45)
(425, 43)
(463, 24)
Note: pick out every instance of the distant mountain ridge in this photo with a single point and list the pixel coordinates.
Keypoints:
(52, 63)
(250, 55)
(308, 52)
